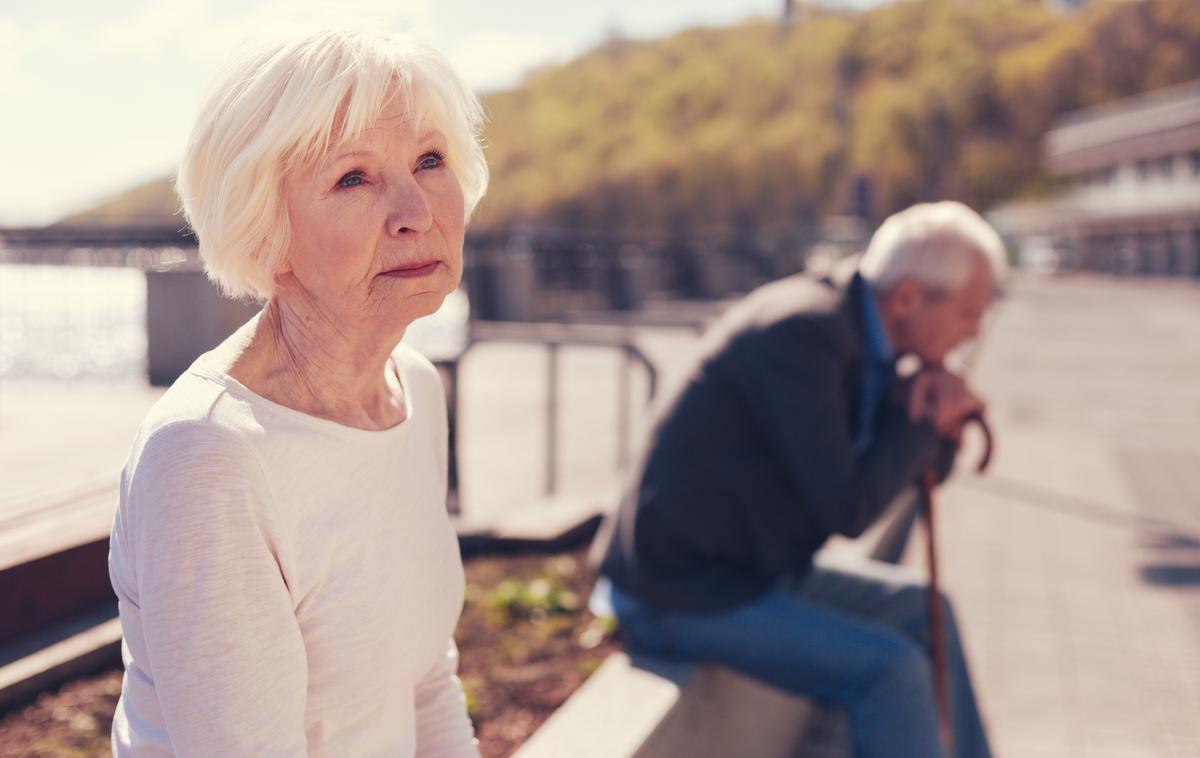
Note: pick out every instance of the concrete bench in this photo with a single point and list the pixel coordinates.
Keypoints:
(637, 706)
(641, 707)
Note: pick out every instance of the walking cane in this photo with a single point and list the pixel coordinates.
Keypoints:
(937, 629)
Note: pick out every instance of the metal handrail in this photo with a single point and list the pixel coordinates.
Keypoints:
(554, 336)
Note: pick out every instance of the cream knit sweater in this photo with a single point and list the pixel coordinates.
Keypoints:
(288, 586)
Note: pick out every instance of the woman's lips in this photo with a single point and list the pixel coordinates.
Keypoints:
(413, 271)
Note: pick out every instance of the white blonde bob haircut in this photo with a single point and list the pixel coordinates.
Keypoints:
(935, 245)
(284, 106)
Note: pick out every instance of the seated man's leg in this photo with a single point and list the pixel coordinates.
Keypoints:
(895, 598)
(880, 676)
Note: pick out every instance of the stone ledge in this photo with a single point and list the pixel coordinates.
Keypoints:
(643, 707)
(76, 648)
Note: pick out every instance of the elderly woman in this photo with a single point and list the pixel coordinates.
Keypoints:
(288, 579)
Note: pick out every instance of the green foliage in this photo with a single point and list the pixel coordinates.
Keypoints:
(588, 667)
(472, 702)
(761, 125)
(537, 599)
(764, 125)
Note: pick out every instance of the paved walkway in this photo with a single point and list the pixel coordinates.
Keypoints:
(1075, 562)
(62, 445)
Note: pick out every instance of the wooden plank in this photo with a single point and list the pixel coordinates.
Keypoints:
(90, 646)
(32, 530)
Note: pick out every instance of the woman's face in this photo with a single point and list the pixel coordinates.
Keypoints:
(377, 227)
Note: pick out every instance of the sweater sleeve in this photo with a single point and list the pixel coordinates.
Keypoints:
(796, 388)
(224, 648)
(443, 728)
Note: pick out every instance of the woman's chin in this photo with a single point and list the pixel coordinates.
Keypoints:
(418, 305)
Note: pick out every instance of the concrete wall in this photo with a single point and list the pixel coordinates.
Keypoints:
(185, 316)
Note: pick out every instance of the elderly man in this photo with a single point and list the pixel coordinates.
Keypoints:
(793, 426)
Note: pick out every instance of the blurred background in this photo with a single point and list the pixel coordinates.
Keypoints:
(650, 163)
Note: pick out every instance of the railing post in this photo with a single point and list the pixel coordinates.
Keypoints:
(552, 417)
(449, 372)
(553, 337)
(623, 410)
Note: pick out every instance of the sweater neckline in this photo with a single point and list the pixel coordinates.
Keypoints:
(257, 401)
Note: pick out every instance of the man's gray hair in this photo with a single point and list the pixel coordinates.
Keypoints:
(933, 244)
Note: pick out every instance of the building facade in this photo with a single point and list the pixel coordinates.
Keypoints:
(1129, 186)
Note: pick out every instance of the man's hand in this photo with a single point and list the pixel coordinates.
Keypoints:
(944, 400)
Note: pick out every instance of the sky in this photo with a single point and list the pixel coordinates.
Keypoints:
(97, 97)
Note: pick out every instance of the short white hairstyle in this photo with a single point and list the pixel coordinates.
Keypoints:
(284, 105)
(935, 245)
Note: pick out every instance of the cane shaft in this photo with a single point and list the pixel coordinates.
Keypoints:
(937, 624)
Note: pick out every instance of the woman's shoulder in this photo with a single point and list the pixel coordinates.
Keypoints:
(186, 475)
(193, 481)
(195, 424)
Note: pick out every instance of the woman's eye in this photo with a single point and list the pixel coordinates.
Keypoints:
(352, 179)
(432, 159)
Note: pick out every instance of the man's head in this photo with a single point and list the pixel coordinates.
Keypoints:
(933, 268)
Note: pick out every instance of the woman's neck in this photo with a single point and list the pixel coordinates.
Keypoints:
(295, 354)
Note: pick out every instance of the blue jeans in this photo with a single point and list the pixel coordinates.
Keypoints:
(852, 634)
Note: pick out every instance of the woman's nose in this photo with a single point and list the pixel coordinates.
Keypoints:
(410, 211)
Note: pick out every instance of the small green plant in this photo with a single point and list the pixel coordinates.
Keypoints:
(472, 704)
(588, 667)
(536, 599)
(472, 594)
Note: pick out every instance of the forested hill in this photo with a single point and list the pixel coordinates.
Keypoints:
(759, 124)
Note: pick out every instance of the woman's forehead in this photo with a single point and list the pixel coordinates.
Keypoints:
(382, 138)
(361, 109)
(387, 131)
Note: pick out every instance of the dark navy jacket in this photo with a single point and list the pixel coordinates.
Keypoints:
(752, 464)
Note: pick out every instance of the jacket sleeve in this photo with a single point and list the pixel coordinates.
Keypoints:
(224, 648)
(793, 378)
(443, 728)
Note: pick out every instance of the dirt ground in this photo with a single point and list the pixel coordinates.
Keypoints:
(525, 639)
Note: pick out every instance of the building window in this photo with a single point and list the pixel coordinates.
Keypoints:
(1166, 166)
(1143, 170)
(1196, 163)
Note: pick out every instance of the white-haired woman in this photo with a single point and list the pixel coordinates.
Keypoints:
(288, 579)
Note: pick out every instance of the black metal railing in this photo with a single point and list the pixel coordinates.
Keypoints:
(553, 337)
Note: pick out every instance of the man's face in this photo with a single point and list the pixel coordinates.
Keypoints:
(930, 324)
